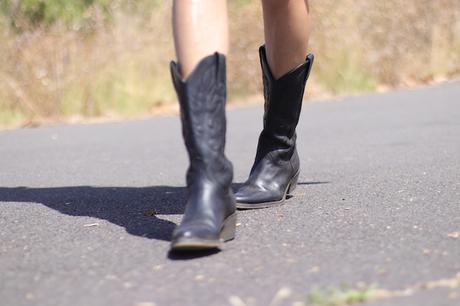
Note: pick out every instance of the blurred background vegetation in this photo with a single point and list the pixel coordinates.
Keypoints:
(62, 59)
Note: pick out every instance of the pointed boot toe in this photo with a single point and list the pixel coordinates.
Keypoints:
(251, 196)
(199, 235)
(195, 236)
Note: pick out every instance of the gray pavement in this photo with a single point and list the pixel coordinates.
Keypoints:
(86, 211)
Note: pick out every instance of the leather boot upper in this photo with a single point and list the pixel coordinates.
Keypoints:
(276, 161)
(202, 100)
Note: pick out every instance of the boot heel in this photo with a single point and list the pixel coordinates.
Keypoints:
(229, 228)
(293, 183)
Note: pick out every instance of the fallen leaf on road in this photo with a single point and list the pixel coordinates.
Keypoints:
(30, 296)
(452, 283)
(91, 225)
(236, 301)
(281, 295)
(158, 267)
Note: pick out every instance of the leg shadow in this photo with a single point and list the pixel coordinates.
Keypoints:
(133, 208)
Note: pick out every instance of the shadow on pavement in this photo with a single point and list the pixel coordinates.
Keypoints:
(134, 208)
(235, 186)
(188, 255)
(312, 183)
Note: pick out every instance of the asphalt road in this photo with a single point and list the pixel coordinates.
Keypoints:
(86, 211)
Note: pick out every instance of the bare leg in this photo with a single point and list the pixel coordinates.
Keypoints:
(286, 24)
(200, 29)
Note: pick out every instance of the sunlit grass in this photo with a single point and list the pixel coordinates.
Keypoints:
(344, 73)
(124, 89)
(119, 65)
(343, 296)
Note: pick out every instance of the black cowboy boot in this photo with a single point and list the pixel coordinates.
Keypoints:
(210, 213)
(276, 167)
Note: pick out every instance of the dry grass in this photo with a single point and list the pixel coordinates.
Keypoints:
(121, 67)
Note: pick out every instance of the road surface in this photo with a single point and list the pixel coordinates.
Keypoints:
(87, 211)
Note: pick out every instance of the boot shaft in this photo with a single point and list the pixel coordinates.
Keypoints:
(283, 96)
(283, 104)
(202, 98)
